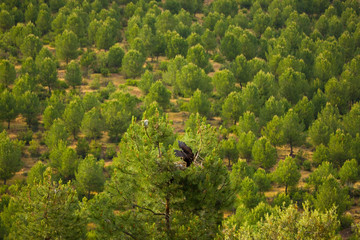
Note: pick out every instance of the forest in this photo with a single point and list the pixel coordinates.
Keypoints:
(180, 119)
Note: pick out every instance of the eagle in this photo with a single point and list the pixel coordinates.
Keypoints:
(186, 154)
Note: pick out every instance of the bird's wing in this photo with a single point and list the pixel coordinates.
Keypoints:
(185, 148)
(179, 154)
(181, 144)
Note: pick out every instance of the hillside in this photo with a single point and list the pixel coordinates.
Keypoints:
(95, 95)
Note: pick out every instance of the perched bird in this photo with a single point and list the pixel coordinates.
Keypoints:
(186, 154)
(146, 123)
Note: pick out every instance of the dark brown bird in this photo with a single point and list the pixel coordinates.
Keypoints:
(186, 154)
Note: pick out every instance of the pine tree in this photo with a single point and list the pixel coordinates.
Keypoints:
(239, 172)
(319, 176)
(230, 46)
(292, 130)
(116, 117)
(159, 93)
(30, 108)
(29, 67)
(331, 194)
(7, 73)
(64, 159)
(48, 73)
(264, 153)
(245, 144)
(351, 120)
(73, 115)
(105, 35)
(273, 107)
(232, 108)
(287, 173)
(240, 69)
(43, 21)
(175, 45)
(191, 78)
(51, 113)
(56, 133)
(132, 63)
(197, 56)
(147, 79)
(248, 122)
(290, 223)
(73, 74)
(339, 148)
(8, 107)
(349, 172)
(55, 203)
(199, 103)
(66, 46)
(208, 40)
(90, 176)
(6, 20)
(262, 180)
(249, 194)
(31, 46)
(92, 124)
(87, 60)
(229, 150)
(10, 157)
(327, 122)
(36, 173)
(224, 82)
(115, 57)
(150, 184)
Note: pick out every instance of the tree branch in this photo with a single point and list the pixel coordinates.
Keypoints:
(129, 234)
(148, 209)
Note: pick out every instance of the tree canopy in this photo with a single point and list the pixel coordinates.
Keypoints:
(179, 119)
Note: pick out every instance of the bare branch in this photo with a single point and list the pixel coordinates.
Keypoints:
(155, 213)
(129, 234)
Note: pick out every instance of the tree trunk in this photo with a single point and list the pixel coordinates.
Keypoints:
(291, 149)
(49, 90)
(159, 149)
(286, 189)
(4, 181)
(167, 215)
(8, 124)
(229, 162)
(86, 72)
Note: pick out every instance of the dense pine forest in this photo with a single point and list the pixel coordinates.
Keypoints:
(180, 119)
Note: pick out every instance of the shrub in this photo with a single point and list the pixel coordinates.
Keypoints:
(34, 148)
(95, 149)
(95, 84)
(131, 82)
(346, 221)
(218, 58)
(82, 147)
(110, 152)
(307, 165)
(105, 72)
(26, 136)
(282, 199)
